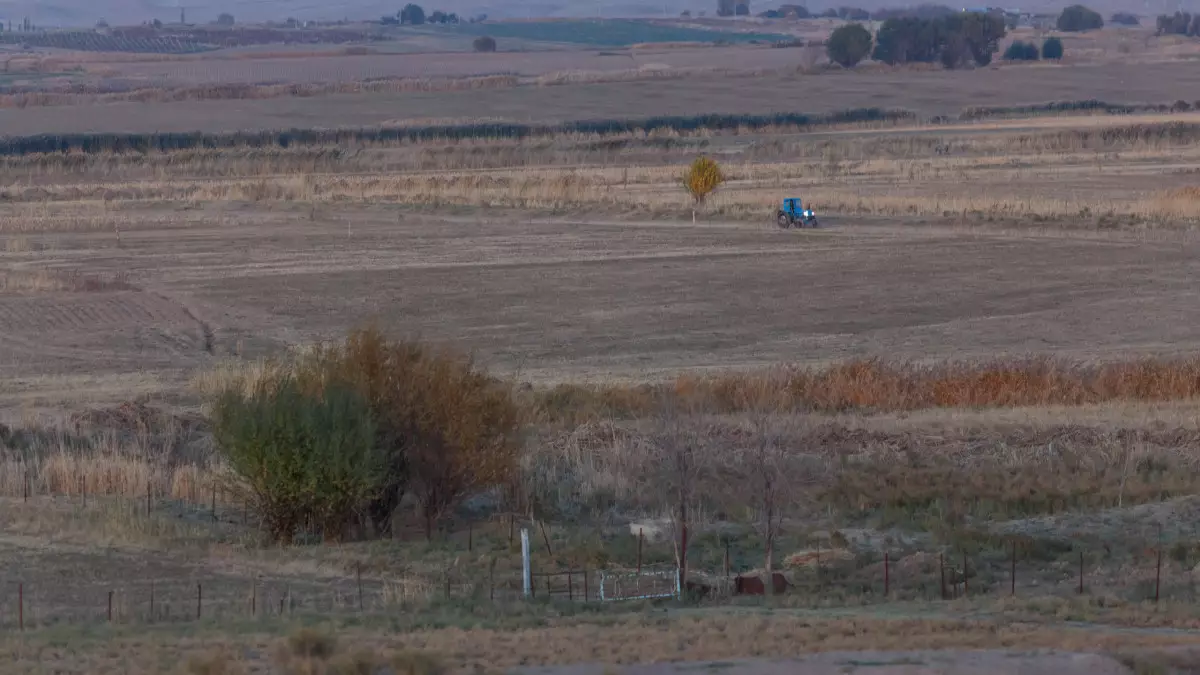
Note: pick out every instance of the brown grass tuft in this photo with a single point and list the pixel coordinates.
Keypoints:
(876, 385)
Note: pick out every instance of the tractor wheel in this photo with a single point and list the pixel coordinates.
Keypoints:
(784, 221)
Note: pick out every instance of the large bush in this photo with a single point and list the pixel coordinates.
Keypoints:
(484, 43)
(1125, 19)
(445, 428)
(435, 427)
(1021, 51)
(303, 457)
(1077, 18)
(849, 44)
(1052, 48)
(412, 14)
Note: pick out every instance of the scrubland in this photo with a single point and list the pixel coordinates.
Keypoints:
(983, 362)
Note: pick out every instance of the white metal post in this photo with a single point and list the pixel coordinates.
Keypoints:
(526, 580)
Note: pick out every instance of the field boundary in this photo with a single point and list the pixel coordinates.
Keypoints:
(133, 142)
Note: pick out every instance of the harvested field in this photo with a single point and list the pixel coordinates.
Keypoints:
(926, 93)
(986, 356)
(614, 299)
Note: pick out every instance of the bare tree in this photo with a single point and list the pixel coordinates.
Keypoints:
(678, 461)
(763, 473)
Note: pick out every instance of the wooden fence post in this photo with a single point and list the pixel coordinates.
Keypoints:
(585, 585)
(199, 599)
(964, 574)
(151, 600)
(1158, 574)
(942, 566)
(110, 606)
(641, 538)
(1012, 575)
(358, 580)
(570, 586)
(886, 575)
(21, 605)
(1081, 572)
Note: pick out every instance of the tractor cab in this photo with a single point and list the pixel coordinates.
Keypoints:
(792, 213)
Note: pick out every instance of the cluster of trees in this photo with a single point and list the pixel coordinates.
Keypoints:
(1077, 18)
(339, 438)
(733, 7)
(801, 12)
(414, 15)
(954, 40)
(1180, 23)
(1021, 51)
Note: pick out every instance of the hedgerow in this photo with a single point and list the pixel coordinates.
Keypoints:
(165, 142)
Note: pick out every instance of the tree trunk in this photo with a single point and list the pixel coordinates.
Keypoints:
(430, 516)
(693, 215)
(769, 537)
(683, 544)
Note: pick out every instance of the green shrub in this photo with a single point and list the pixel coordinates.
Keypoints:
(1078, 18)
(442, 427)
(484, 43)
(303, 457)
(1021, 51)
(849, 44)
(1052, 48)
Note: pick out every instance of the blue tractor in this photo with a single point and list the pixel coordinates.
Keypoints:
(793, 214)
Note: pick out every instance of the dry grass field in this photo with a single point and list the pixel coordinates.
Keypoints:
(925, 92)
(986, 358)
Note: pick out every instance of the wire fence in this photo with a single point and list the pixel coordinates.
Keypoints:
(1154, 575)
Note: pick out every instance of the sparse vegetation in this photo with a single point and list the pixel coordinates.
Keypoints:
(642, 389)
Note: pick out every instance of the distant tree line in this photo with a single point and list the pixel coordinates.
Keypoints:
(955, 40)
(1180, 23)
(414, 15)
(733, 7)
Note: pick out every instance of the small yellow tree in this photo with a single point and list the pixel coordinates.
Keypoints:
(703, 177)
